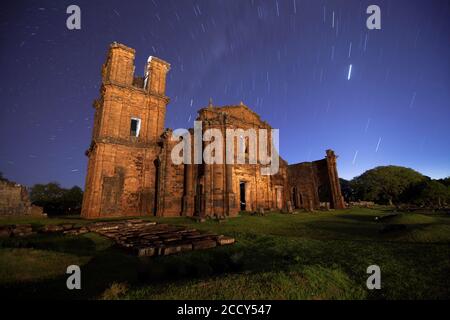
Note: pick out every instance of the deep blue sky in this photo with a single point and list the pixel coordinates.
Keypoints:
(284, 59)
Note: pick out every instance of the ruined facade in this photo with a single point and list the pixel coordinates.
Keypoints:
(315, 184)
(14, 200)
(130, 171)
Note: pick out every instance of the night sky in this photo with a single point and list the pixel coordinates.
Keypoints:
(287, 60)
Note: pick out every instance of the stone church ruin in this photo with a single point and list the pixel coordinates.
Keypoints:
(130, 172)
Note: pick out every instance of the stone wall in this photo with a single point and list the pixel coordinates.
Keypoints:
(14, 200)
(313, 183)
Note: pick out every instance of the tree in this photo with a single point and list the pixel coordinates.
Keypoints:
(72, 200)
(56, 200)
(2, 178)
(385, 184)
(346, 190)
(430, 193)
(445, 181)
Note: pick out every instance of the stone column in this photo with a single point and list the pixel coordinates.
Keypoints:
(232, 209)
(188, 197)
(207, 209)
(159, 210)
(218, 189)
(335, 187)
(228, 195)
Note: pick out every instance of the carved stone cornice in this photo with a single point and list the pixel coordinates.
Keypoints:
(164, 98)
(131, 142)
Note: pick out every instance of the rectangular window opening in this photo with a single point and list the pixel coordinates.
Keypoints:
(135, 127)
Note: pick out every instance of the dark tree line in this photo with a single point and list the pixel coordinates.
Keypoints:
(54, 199)
(57, 200)
(397, 185)
(382, 185)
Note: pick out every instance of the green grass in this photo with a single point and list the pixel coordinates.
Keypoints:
(25, 265)
(320, 255)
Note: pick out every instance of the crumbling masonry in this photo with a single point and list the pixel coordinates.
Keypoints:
(130, 172)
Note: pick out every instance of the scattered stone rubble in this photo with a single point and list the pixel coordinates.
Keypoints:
(140, 237)
(146, 238)
(21, 230)
(362, 204)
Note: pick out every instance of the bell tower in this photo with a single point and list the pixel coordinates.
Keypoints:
(129, 119)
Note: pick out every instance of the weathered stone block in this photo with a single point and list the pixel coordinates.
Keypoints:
(67, 226)
(185, 246)
(52, 228)
(203, 244)
(223, 240)
(171, 249)
(146, 251)
(5, 232)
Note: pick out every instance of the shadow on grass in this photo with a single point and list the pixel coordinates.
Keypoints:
(113, 265)
(79, 246)
(345, 230)
(349, 244)
(96, 276)
(358, 217)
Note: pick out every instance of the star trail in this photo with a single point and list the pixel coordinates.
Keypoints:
(310, 68)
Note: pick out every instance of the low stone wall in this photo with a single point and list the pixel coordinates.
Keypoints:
(364, 204)
(21, 230)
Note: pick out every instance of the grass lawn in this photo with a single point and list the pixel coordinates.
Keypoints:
(320, 255)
